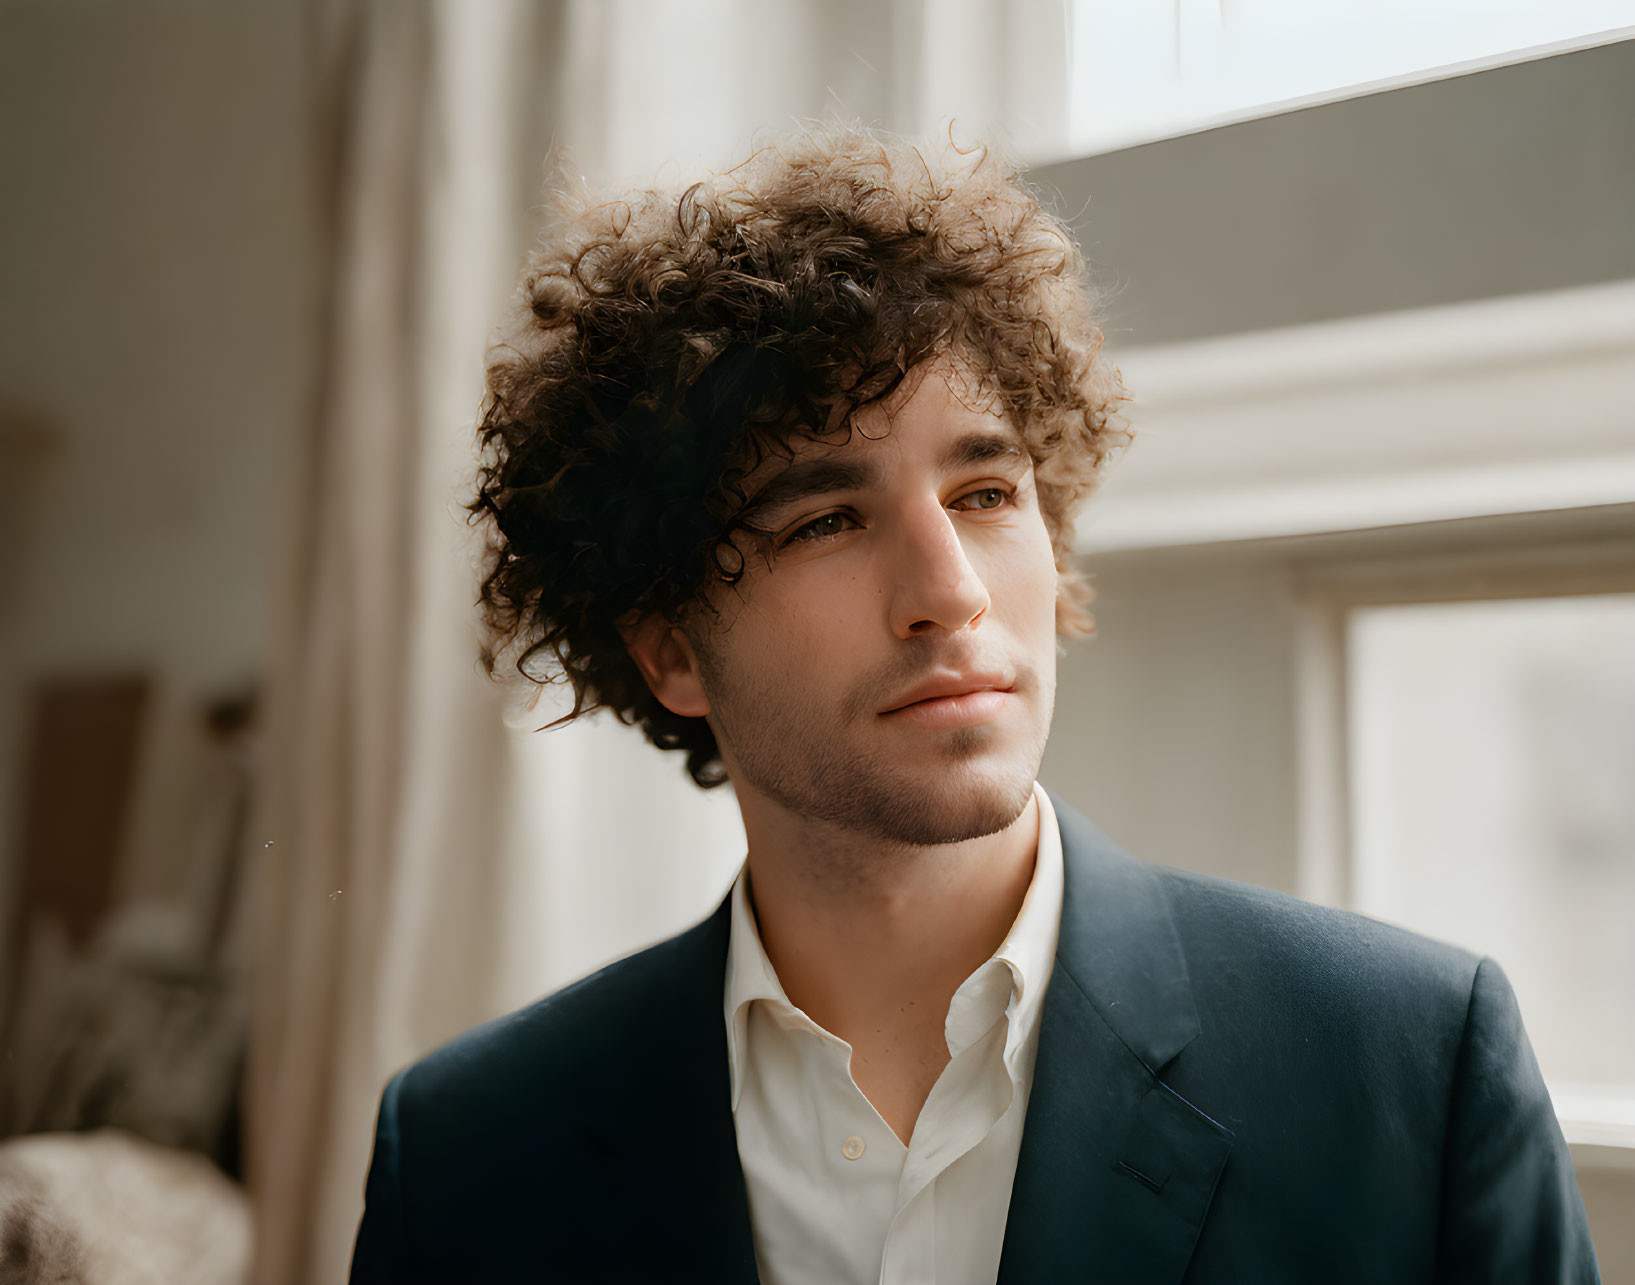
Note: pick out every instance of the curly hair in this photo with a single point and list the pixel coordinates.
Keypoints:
(665, 344)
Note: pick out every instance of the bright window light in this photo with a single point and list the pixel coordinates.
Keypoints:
(1146, 71)
(1492, 761)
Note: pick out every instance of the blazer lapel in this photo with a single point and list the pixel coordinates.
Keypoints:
(1116, 1171)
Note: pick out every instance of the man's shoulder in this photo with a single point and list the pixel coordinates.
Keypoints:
(1273, 921)
(1254, 940)
(617, 1018)
(1241, 938)
(558, 1120)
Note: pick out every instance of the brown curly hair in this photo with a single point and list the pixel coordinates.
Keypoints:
(664, 345)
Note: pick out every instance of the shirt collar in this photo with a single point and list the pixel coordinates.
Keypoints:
(1028, 953)
(1027, 956)
(750, 977)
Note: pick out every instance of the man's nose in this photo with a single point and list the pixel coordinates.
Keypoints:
(936, 587)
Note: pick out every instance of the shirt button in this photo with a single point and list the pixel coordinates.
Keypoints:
(852, 1148)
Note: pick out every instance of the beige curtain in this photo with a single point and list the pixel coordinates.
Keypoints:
(377, 591)
(332, 777)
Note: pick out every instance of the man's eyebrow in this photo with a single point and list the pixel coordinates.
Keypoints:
(805, 478)
(982, 446)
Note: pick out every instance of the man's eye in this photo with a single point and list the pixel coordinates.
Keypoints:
(819, 528)
(989, 497)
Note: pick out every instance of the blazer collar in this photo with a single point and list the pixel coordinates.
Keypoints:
(1116, 1170)
(1119, 945)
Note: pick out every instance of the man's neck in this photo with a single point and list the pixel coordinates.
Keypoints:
(871, 940)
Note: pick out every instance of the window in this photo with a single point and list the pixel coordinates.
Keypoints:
(1145, 71)
(1490, 750)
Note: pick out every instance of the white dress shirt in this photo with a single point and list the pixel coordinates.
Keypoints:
(834, 1197)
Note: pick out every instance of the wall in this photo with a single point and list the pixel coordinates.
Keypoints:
(157, 298)
(1501, 182)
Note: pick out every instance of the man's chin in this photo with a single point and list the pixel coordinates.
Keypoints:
(955, 809)
(923, 798)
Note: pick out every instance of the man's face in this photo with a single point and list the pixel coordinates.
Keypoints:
(892, 669)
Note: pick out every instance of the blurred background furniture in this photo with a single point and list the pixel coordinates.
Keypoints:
(108, 1208)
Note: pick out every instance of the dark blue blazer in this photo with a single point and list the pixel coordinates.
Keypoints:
(1232, 1086)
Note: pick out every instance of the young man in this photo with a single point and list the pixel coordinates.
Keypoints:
(782, 471)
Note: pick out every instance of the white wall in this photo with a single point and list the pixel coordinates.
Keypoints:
(1174, 723)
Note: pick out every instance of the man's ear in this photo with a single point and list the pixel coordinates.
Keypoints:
(667, 661)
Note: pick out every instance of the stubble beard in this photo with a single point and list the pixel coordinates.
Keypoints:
(833, 784)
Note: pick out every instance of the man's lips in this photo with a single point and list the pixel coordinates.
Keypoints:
(963, 709)
(952, 700)
(946, 686)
